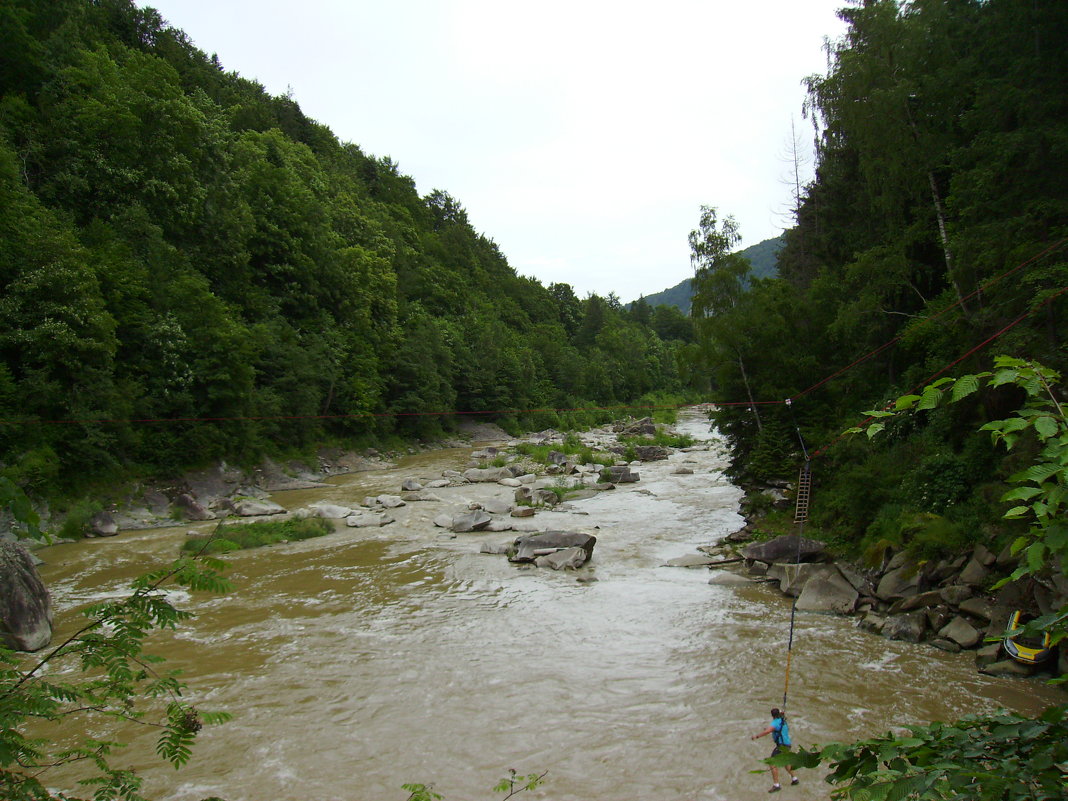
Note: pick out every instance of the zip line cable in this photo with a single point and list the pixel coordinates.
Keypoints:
(362, 415)
(960, 302)
(820, 451)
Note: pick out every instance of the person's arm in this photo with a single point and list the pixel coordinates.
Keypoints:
(768, 730)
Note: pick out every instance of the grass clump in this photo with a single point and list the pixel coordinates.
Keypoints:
(661, 438)
(237, 537)
(571, 446)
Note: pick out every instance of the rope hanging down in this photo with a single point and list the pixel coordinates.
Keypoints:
(804, 488)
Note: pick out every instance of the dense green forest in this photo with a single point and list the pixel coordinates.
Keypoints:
(931, 238)
(177, 246)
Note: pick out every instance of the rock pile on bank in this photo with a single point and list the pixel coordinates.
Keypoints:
(943, 602)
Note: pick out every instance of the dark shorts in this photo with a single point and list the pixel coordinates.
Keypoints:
(779, 749)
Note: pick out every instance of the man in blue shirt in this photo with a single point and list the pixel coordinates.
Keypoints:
(780, 734)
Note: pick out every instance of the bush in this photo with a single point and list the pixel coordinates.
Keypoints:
(661, 438)
(76, 522)
(571, 446)
(939, 481)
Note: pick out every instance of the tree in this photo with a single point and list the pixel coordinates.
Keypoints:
(719, 281)
(116, 679)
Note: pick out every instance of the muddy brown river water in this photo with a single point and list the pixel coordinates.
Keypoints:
(355, 663)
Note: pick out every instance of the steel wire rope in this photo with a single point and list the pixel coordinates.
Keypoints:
(960, 302)
(361, 415)
(821, 450)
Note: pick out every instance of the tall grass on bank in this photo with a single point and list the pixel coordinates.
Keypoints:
(237, 537)
(660, 438)
(571, 446)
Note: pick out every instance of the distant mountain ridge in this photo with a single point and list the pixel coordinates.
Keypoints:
(764, 256)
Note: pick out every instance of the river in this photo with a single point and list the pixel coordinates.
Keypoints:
(370, 658)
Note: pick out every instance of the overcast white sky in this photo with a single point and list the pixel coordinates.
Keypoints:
(581, 135)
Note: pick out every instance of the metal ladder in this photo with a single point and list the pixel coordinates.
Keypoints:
(804, 491)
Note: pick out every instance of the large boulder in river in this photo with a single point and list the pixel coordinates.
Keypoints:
(828, 593)
(564, 559)
(367, 519)
(472, 521)
(529, 547)
(639, 428)
(900, 582)
(961, 632)
(651, 453)
(788, 548)
(25, 606)
(909, 626)
(191, 509)
(478, 475)
(102, 524)
(622, 474)
(793, 578)
(331, 511)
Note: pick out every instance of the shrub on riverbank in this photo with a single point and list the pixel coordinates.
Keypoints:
(571, 446)
(663, 438)
(237, 537)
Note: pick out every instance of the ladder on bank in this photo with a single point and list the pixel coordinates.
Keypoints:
(804, 491)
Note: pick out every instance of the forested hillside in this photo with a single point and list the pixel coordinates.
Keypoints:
(763, 260)
(194, 270)
(931, 239)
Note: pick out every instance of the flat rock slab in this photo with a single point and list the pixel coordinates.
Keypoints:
(421, 496)
(726, 579)
(582, 494)
(330, 511)
(252, 508)
(690, 560)
(496, 506)
(786, 549)
(564, 559)
(367, 520)
(1006, 667)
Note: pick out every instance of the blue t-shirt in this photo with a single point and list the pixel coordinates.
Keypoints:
(780, 731)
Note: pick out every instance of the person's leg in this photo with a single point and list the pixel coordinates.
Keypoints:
(774, 772)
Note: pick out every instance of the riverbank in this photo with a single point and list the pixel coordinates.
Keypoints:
(953, 603)
(223, 490)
